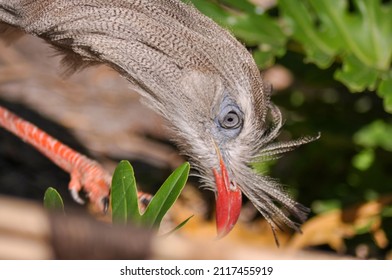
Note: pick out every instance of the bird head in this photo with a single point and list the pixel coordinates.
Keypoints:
(224, 131)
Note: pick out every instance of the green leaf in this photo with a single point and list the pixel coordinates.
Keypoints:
(301, 26)
(251, 27)
(359, 38)
(183, 223)
(262, 165)
(365, 33)
(258, 29)
(355, 75)
(323, 206)
(364, 159)
(263, 59)
(124, 199)
(387, 211)
(376, 23)
(362, 229)
(166, 196)
(376, 134)
(241, 5)
(385, 91)
(210, 9)
(53, 200)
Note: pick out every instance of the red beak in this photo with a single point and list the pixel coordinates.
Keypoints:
(228, 201)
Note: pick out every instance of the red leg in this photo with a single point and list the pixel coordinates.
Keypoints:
(85, 173)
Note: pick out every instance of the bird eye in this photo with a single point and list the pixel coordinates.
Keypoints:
(230, 120)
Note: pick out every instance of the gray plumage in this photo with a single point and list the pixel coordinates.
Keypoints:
(188, 69)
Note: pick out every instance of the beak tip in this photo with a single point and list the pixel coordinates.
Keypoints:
(228, 212)
(223, 231)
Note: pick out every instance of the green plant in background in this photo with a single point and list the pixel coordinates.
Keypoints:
(373, 136)
(124, 198)
(325, 31)
(359, 39)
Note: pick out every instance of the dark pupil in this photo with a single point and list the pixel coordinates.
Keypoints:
(231, 120)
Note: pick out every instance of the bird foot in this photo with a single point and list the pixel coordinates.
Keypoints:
(94, 181)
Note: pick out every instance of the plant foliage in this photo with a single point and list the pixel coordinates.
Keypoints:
(53, 200)
(125, 206)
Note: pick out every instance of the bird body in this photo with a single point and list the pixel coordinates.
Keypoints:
(194, 73)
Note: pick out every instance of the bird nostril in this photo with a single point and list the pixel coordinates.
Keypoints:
(233, 186)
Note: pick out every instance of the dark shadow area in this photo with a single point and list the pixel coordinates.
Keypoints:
(25, 172)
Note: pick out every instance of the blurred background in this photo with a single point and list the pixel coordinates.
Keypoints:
(330, 66)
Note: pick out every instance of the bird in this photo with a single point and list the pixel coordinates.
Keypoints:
(195, 74)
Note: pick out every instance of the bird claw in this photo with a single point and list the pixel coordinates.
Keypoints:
(95, 182)
(75, 195)
(105, 202)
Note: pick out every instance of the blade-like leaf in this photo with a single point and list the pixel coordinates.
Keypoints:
(53, 200)
(124, 199)
(183, 223)
(166, 196)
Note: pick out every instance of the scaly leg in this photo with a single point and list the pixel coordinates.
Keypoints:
(85, 173)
